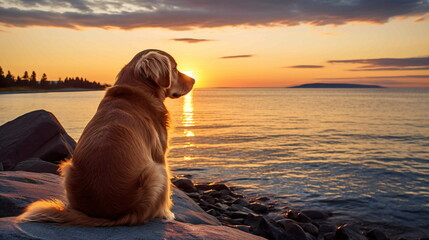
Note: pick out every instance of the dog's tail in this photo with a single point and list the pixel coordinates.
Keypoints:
(55, 211)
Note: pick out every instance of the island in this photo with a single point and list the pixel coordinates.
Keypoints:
(336, 85)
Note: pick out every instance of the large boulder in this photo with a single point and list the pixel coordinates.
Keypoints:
(18, 189)
(35, 134)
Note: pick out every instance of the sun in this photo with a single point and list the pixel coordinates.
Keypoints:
(190, 74)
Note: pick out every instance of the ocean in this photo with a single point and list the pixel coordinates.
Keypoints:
(361, 153)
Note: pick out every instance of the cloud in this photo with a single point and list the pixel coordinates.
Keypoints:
(378, 77)
(388, 64)
(306, 66)
(191, 40)
(188, 14)
(237, 56)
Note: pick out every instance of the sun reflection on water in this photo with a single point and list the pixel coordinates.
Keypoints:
(188, 121)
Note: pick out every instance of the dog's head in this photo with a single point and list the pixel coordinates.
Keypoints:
(159, 69)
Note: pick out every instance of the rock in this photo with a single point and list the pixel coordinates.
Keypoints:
(257, 207)
(345, 232)
(242, 202)
(194, 195)
(327, 228)
(376, 234)
(225, 192)
(212, 212)
(301, 217)
(154, 230)
(293, 230)
(310, 228)
(184, 184)
(310, 237)
(314, 214)
(35, 134)
(236, 207)
(36, 165)
(329, 236)
(243, 228)
(214, 186)
(239, 214)
(221, 205)
(291, 214)
(18, 189)
(266, 227)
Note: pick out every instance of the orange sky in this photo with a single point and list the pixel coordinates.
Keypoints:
(392, 52)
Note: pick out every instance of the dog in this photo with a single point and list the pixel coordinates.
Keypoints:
(118, 174)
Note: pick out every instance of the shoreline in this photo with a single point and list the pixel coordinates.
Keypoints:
(52, 90)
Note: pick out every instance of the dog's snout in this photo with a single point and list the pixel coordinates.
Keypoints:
(193, 81)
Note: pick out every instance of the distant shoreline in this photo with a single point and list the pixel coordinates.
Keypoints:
(49, 90)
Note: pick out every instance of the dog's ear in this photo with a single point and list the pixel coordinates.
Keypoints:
(155, 66)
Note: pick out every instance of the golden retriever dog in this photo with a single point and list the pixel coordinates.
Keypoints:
(119, 174)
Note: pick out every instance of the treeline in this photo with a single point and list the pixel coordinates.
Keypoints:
(26, 80)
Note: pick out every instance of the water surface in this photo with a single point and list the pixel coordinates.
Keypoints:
(362, 153)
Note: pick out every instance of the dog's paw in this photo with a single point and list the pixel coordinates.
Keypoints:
(168, 215)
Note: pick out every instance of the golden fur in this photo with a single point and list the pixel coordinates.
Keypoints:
(119, 174)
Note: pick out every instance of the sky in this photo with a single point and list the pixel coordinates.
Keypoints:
(223, 43)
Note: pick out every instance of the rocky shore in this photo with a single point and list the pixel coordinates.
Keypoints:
(32, 145)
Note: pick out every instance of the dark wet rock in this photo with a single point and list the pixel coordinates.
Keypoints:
(242, 202)
(301, 217)
(230, 221)
(225, 192)
(243, 228)
(292, 214)
(266, 227)
(294, 230)
(238, 214)
(35, 134)
(314, 214)
(236, 207)
(310, 228)
(376, 234)
(263, 199)
(36, 165)
(257, 207)
(214, 186)
(212, 212)
(184, 184)
(214, 194)
(208, 199)
(222, 206)
(345, 232)
(326, 228)
(329, 236)
(310, 237)
(194, 195)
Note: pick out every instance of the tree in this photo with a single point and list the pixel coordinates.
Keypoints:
(33, 80)
(44, 81)
(2, 78)
(1, 74)
(9, 79)
(25, 77)
(18, 81)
